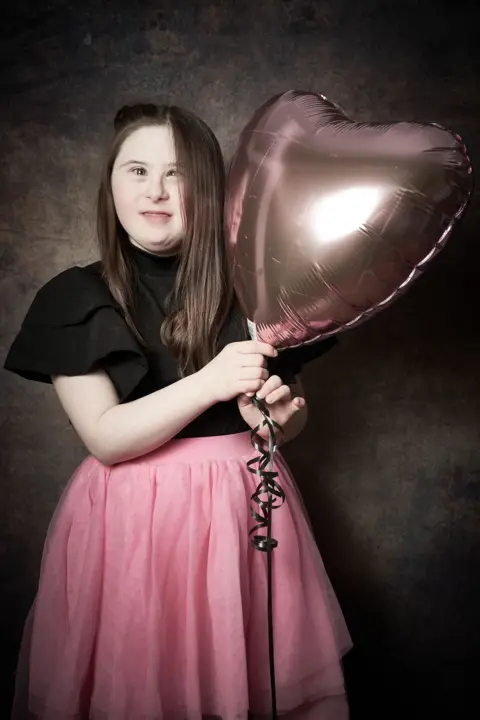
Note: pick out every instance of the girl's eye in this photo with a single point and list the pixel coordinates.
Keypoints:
(173, 172)
(139, 171)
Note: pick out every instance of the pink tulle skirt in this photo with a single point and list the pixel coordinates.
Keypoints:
(152, 603)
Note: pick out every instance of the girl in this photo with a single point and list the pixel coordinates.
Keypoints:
(152, 602)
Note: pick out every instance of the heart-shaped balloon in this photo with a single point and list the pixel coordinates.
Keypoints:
(328, 220)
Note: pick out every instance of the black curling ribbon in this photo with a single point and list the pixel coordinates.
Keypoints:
(262, 514)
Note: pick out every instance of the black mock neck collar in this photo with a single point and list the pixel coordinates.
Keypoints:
(151, 264)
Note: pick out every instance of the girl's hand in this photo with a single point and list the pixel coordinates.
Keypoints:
(239, 368)
(282, 405)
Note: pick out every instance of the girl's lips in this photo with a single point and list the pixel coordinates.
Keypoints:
(156, 212)
(157, 216)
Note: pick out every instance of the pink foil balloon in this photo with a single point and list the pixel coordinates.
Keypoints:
(329, 220)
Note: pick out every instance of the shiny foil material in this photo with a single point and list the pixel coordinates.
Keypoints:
(328, 220)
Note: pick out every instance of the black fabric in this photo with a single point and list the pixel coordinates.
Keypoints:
(290, 362)
(74, 326)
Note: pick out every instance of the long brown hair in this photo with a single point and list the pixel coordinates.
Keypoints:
(203, 290)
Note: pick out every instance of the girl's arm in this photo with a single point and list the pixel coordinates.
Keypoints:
(115, 432)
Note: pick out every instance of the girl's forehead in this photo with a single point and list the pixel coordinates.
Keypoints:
(149, 144)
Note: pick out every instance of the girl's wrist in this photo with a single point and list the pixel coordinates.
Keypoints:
(203, 388)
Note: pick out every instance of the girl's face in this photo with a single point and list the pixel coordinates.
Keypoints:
(147, 190)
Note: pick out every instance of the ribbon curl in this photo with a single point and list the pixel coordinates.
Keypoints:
(268, 486)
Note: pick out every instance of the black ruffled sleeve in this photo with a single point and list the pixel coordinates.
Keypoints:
(75, 326)
(290, 361)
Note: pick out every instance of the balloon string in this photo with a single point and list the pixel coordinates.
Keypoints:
(263, 516)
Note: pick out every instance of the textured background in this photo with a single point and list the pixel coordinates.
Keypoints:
(390, 463)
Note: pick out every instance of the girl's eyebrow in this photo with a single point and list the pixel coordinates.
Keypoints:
(133, 162)
(141, 162)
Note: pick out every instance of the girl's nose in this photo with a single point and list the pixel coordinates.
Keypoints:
(157, 190)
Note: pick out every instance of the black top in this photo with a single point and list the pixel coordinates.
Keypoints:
(74, 326)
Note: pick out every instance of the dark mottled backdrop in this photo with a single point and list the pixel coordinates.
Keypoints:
(390, 464)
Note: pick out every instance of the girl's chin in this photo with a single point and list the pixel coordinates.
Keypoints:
(163, 246)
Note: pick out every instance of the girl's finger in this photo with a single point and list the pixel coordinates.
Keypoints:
(283, 393)
(273, 383)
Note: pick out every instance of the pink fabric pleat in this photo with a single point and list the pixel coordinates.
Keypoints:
(152, 604)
